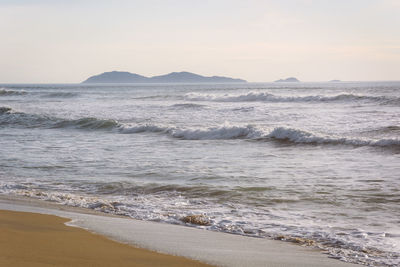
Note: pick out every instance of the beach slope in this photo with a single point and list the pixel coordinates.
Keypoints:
(31, 239)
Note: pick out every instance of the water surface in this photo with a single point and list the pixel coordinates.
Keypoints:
(318, 161)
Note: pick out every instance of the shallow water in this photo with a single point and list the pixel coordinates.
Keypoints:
(320, 161)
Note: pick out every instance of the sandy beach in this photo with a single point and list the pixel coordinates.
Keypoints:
(33, 233)
(31, 239)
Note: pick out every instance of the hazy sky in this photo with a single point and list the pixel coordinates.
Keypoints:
(66, 41)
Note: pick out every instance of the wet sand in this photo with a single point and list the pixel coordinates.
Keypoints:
(31, 239)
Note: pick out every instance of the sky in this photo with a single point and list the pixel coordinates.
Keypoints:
(66, 41)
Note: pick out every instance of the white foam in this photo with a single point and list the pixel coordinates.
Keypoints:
(6, 92)
(228, 131)
(252, 96)
(171, 208)
(225, 131)
(207, 246)
(299, 136)
(267, 97)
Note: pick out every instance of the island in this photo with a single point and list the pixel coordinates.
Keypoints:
(287, 80)
(335, 81)
(173, 77)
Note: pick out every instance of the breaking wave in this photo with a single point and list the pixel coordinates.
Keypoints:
(224, 132)
(212, 133)
(5, 110)
(9, 92)
(304, 137)
(9, 117)
(4, 92)
(284, 134)
(267, 97)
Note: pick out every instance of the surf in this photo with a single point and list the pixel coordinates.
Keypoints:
(268, 97)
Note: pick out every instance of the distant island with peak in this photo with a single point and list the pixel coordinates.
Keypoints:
(288, 80)
(173, 77)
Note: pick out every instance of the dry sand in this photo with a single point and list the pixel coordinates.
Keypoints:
(31, 239)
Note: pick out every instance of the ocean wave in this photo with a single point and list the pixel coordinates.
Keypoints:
(13, 118)
(9, 92)
(188, 106)
(60, 95)
(10, 117)
(192, 191)
(5, 110)
(267, 97)
(87, 123)
(143, 128)
(251, 132)
(304, 137)
(391, 129)
(223, 132)
(5, 92)
(392, 102)
(153, 97)
(212, 133)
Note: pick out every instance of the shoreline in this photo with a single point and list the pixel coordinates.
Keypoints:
(34, 239)
(216, 248)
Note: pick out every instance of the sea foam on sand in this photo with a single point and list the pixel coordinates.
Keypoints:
(210, 247)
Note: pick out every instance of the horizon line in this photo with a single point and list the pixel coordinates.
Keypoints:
(321, 81)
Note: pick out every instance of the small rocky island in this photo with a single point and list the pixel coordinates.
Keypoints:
(288, 80)
(173, 77)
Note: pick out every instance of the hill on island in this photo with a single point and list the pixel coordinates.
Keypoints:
(173, 77)
(287, 80)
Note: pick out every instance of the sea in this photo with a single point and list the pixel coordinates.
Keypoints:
(316, 164)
